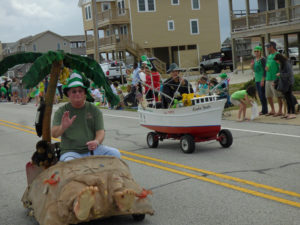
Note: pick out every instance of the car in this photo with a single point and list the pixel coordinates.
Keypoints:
(115, 71)
(217, 61)
(293, 54)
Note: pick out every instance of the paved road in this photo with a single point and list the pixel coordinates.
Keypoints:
(256, 181)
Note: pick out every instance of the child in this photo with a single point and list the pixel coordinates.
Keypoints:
(241, 99)
(202, 86)
(213, 82)
(121, 104)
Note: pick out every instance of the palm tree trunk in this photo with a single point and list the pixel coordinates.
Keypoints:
(51, 90)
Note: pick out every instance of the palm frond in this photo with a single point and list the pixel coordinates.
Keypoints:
(16, 59)
(41, 68)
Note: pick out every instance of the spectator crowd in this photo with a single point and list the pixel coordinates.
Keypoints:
(274, 79)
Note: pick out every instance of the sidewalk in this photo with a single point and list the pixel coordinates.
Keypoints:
(232, 115)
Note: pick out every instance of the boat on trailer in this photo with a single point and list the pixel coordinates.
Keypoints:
(198, 122)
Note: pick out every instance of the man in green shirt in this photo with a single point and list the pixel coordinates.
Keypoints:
(80, 124)
(272, 68)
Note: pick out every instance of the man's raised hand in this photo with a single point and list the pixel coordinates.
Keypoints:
(66, 122)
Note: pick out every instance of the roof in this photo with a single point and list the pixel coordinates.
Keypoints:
(73, 38)
(83, 2)
(42, 34)
(29, 39)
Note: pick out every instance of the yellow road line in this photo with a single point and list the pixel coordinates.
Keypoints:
(18, 128)
(20, 125)
(215, 174)
(248, 191)
(245, 190)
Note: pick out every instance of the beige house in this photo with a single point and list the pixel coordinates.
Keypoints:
(171, 30)
(41, 42)
(271, 19)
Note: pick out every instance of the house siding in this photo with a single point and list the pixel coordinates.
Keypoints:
(48, 42)
(150, 29)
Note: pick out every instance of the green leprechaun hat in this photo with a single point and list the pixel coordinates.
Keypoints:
(77, 79)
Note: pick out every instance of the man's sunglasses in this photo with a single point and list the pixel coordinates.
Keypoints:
(80, 91)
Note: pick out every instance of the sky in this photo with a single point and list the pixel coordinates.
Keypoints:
(21, 18)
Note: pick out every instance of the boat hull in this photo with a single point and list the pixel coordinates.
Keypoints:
(201, 120)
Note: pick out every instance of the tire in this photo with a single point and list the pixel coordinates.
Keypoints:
(293, 61)
(187, 144)
(225, 138)
(217, 68)
(202, 69)
(138, 217)
(124, 80)
(152, 140)
(231, 68)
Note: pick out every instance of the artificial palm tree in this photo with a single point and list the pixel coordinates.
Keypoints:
(52, 63)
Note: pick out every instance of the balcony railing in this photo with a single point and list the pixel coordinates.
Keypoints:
(113, 16)
(124, 42)
(120, 42)
(267, 18)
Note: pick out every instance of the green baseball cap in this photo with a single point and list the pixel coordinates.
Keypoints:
(223, 75)
(258, 48)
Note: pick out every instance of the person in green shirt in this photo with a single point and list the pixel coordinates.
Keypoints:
(241, 99)
(3, 92)
(258, 65)
(272, 68)
(80, 124)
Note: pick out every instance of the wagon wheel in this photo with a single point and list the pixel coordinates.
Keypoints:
(152, 140)
(225, 138)
(138, 217)
(187, 144)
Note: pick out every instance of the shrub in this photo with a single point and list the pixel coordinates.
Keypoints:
(297, 83)
(248, 83)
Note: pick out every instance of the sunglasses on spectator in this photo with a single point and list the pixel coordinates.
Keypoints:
(80, 91)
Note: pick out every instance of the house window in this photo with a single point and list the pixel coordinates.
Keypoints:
(121, 7)
(174, 2)
(281, 4)
(58, 46)
(191, 47)
(195, 4)
(81, 44)
(123, 30)
(107, 33)
(194, 26)
(171, 26)
(105, 6)
(88, 12)
(146, 5)
(73, 45)
(34, 47)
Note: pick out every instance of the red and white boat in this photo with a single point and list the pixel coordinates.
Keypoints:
(201, 121)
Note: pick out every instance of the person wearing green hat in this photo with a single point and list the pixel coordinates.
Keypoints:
(258, 65)
(80, 124)
(272, 69)
(223, 89)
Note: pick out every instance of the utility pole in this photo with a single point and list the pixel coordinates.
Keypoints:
(95, 27)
